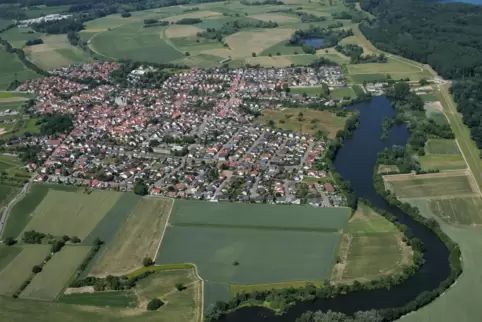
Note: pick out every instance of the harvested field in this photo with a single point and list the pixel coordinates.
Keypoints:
(56, 274)
(442, 146)
(20, 268)
(275, 17)
(120, 299)
(326, 121)
(199, 213)
(74, 214)
(431, 185)
(258, 40)
(275, 61)
(178, 31)
(139, 237)
(195, 14)
(264, 255)
(442, 162)
(458, 211)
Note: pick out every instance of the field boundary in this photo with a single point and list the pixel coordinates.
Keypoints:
(165, 228)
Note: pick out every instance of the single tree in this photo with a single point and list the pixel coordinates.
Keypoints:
(9, 241)
(180, 287)
(36, 269)
(75, 240)
(147, 261)
(235, 263)
(187, 53)
(253, 54)
(65, 238)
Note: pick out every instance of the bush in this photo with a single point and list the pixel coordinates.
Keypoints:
(147, 261)
(32, 237)
(187, 54)
(180, 287)
(9, 241)
(154, 304)
(36, 269)
(57, 246)
(75, 240)
(65, 238)
(126, 14)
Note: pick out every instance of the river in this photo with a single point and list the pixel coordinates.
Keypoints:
(355, 161)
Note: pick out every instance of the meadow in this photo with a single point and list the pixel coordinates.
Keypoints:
(138, 237)
(114, 299)
(76, 215)
(17, 37)
(442, 146)
(430, 185)
(12, 69)
(56, 274)
(371, 247)
(7, 193)
(458, 211)
(442, 162)
(7, 254)
(20, 267)
(311, 122)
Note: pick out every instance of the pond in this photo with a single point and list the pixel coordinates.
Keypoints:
(355, 161)
(314, 42)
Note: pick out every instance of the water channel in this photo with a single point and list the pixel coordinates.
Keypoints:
(355, 161)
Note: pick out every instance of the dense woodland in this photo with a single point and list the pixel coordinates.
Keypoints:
(447, 36)
(355, 53)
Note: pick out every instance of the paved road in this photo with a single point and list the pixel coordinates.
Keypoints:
(3, 220)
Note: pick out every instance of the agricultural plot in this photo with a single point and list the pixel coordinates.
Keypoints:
(195, 14)
(7, 254)
(139, 237)
(258, 40)
(442, 162)
(458, 211)
(178, 31)
(433, 111)
(118, 299)
(264, 255)
(198, 213)
(442, 146)
(311, 122)
(56, 274)
(339, 93)
(56, 51)
(430, 185)
(7, 193)
(394, 67)
(280, 19)
(387, 168)
(12, 69)
(74, 214)
(20, 268)
(17, 37)
(371, 247)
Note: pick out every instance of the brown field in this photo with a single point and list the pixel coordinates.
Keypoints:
(257, 40)
(139, 237)
(326, 121)
(197, 14)
(409, 176)
(178, 31)
(275, 18)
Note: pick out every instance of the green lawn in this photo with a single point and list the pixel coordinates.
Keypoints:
(442, 146)
(119, 299)
(339, 93)
(442, 162)
(56, 274)
(12, 69)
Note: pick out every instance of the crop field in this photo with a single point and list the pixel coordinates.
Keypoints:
(178, 31)
(7, 254)
(442, 162)
(431, 185)
(139, 237)
(7, 193)
(20, 213)
(12, 69)
(371, 246)
(20, 267)
(339, 93)
(17, 37)
(311, 122)
(264, 255)
(433, 111)
(199, 213)
(56, 51)
(458, 211)
(120, 299)
(258, 40)
(56, 274)
(280, 19)
(442, 146)
(394, 67)
(74, 214)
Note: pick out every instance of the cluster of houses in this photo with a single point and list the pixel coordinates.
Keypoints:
(190, 137)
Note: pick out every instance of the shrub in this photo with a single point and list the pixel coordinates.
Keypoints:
(75, 240)
(9, 241)
(154, 304)
(36, 269)
(65, 238)
(147, 261)
(180, 287)
(57, 246)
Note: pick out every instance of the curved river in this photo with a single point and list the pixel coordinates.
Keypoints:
(355, 161)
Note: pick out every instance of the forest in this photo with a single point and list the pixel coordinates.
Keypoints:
(447, 36)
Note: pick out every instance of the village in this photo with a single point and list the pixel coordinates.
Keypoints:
(193, 136)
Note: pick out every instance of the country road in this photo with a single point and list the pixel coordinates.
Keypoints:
(3, 220)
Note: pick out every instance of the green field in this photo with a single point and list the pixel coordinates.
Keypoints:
(433, 112)
(264, 256)
(20, 267)
(442, 162)
(56, 274)
(12, 69)
(7, 254)
(17, 37)
(199, 213)
(386, 168)
(120, 299)
(441, 146)
(74, 213)
(371, 247)
(458, 211)
(339, 93)
(7, 193)
(429, 186)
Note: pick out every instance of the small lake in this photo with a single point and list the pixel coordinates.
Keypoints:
(355, 161)
(314, 42)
